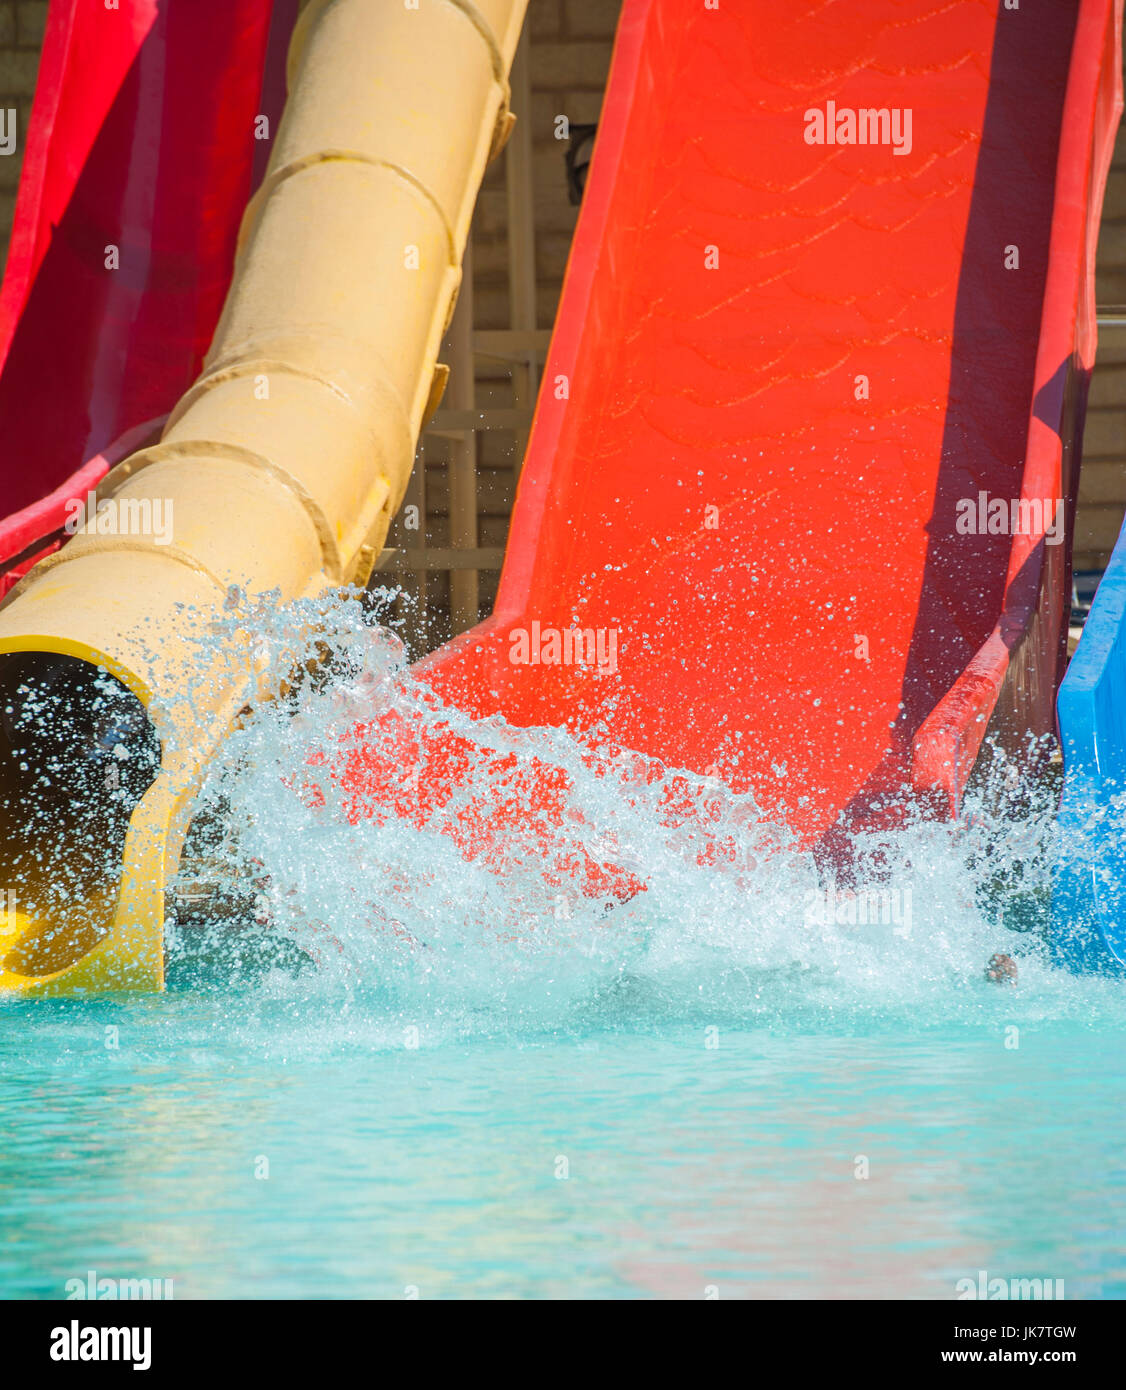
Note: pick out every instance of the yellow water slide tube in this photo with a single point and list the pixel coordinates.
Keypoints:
(280, 468)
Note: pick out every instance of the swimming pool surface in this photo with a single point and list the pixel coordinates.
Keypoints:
(613, 1160)
(736, 1084)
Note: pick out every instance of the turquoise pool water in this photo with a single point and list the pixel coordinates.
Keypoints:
(440, 1169)
(459, 1082)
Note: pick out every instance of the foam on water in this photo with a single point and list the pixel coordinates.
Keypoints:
(398, 923)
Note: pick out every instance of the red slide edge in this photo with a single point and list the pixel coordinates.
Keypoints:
(949, 740)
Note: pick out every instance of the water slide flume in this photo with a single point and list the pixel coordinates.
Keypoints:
(1089, 896)
(779, 369)
(282, 465)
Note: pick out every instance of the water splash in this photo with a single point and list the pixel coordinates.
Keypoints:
(734, 923)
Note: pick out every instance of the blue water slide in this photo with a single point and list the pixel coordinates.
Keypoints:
(1089, 891)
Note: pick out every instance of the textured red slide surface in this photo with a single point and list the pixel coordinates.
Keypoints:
(777, 369)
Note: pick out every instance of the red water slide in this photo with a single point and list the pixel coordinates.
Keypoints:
(828, 300)
(141, 155)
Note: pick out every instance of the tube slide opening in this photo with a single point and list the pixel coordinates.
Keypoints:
(77, 753)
